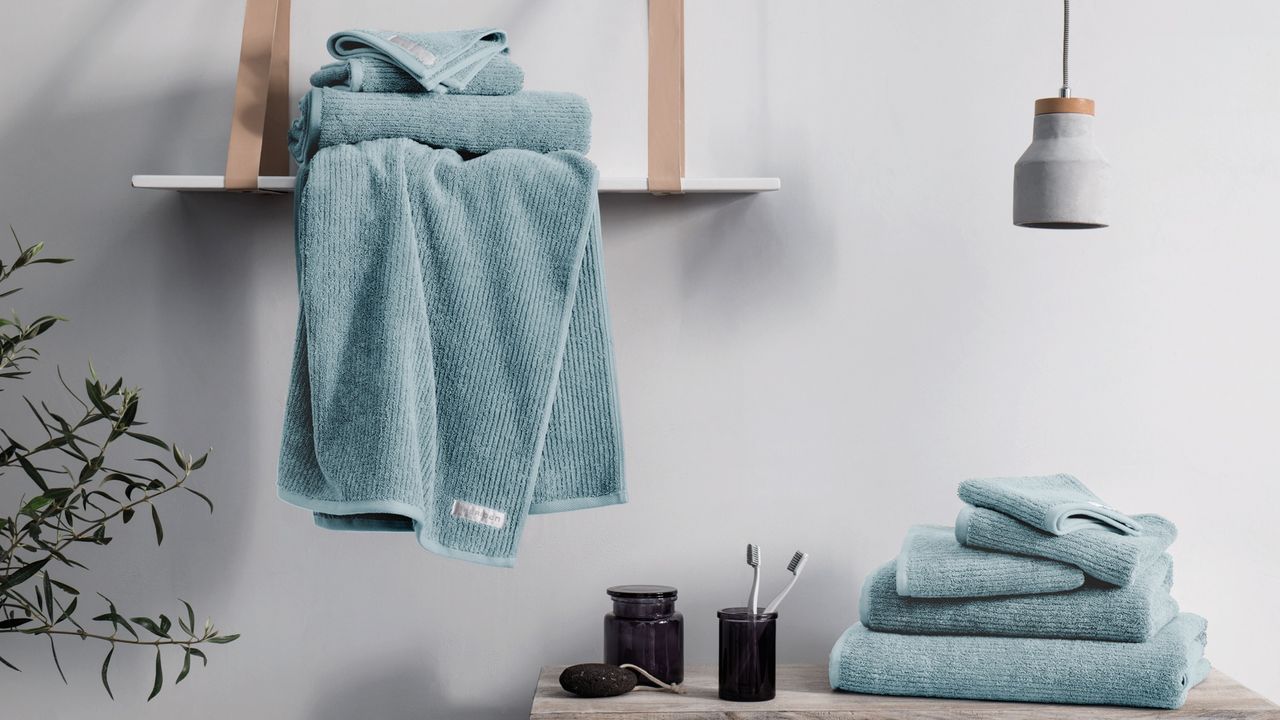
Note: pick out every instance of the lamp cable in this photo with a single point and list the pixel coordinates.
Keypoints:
(1066, 48)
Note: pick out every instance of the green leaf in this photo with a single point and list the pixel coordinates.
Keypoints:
(200, 654)
(191, 617)
(182, 460)
(23, 574)
(127, 515)
(54, 649)
(155, 520)
(9, 665)
(200, 495)
(31, 471)
(151, 625)
(186, 667)
(106, 663)
(66, 588)
(155, 689)
(11, 623)
(67, 612)
(151, 439)
(224, 639)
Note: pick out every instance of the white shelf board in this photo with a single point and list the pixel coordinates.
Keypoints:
(284, 184)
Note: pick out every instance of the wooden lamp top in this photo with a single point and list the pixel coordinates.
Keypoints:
(1083, 106)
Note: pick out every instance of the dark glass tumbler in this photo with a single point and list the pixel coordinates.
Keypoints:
(645, 630)
(748, 655)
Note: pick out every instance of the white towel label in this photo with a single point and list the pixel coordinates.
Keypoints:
(426, 56)
(464, 510)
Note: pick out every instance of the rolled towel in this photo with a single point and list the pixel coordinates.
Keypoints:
(1096, 611)
(1098, 551)
(539, 121)
(437, 61)
(1057, 504)
(1156, 673)
(932, 564)
(500, 76)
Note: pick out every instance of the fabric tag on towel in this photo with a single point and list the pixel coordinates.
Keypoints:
(464, 510)
(425, 56)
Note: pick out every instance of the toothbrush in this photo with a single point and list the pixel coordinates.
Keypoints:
(753, 559)
(795, 567)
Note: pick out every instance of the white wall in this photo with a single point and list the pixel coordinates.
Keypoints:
(811, 369)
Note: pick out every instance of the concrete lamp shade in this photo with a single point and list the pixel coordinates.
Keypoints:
(1062, 182)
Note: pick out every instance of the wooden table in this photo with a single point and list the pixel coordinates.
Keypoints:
(804, 694)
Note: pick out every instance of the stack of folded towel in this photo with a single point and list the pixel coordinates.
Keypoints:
(1040, 593)
(453, 370)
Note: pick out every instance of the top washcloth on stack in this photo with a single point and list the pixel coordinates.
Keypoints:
(1039, 580)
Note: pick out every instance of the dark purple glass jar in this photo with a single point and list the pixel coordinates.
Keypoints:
(645, 630)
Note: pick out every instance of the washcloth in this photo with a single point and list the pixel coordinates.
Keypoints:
(437, 61)
(1057, 504)
(1096, 611)
(933, 564)
(1156, 673)
(453, 370)
(539, 121)
(500, 76)
(1100, 552)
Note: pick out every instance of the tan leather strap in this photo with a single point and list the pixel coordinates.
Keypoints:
(666, 95)
(260, 118)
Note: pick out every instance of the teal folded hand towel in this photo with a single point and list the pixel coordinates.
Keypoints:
(1156, 673)
(932, 564)
(1099, 551)
(1096, 611)
(500, 76)
(436, 61)
(1057, 504)
(539, 121)
(453, 370)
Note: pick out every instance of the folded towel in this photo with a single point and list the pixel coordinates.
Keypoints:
(1099, 551)
(453, 370)
(500, 76)
(1156, 673)
(438, 61)
(1096, 611)
(933, 564)
(1057, 504)
(539, 121)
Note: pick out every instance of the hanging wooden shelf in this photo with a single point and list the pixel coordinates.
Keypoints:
(275, 184)
(260, 118)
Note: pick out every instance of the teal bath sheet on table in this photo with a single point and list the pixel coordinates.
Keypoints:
(1096, 611)
(933, 564)
(1099, 551)
(1056, 504)
(437, 61)
(1156, 673)
(453, 369)
(538, 121)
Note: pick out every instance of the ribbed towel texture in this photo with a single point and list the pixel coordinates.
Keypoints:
(437, 61)
(1037, 600)
(453, 370)
(932, 564)
(539, 121)
(500, 76)
(1056, 504)
(1156, 673)
(1100, 551)
(1096, 611)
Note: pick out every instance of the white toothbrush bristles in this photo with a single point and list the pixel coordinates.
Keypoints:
(753, 559)
(795, 567)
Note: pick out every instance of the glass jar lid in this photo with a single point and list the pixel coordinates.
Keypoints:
(642, 591)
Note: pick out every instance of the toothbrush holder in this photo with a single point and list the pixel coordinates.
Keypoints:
(748, 655)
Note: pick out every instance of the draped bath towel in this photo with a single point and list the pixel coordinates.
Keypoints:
(500, 76)
(1096, 611)
(1056, 504)
(933, 564)
(475, 124)
(453, 370)
(1156, 673)
(437, 61)
(1099, 551)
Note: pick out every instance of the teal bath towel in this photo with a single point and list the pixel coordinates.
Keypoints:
(453, 370)
(500, 76)
(539, 121)
(1056, 504)
(932, 564)
(437, 61)
(1096, 611)
(1099, 551)
(1156, 673)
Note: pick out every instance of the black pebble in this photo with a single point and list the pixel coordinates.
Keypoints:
(595, 680)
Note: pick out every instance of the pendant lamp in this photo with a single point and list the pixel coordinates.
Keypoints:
(1062, 182)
